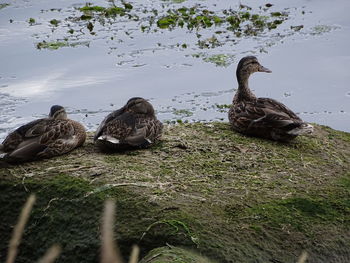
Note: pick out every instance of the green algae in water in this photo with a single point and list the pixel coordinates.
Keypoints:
(31, 21)
(183, 112)
(242, 22)
(175, 1)
(59, 44)
(51, 45)
(321, 29)
(105, 11)
(55, 22)
(3, 5)
(196, 18)
(220, 60)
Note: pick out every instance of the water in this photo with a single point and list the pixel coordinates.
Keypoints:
(310, 67)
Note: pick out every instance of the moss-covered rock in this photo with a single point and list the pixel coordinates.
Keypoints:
(172, 254)
(230, 197)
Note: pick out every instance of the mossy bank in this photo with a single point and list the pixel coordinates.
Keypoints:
(228, 197)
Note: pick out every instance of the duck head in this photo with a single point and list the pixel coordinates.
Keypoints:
(247, 66)
(57, 112)
(139, 106)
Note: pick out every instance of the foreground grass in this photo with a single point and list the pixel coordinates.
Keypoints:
(231, 197)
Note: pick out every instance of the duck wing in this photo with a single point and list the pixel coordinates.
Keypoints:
(110, 117)
(264, 113)
(147, 131)
(128, 129)
(277, 107)
(19, 135)
(45, 139)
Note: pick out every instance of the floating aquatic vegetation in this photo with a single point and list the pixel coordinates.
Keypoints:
(31, 21)
(175, 1)
(123, 25)
(3, 5)
(321, 29)
(58, 44)
(220, 60)
(241, 21)
(91, 11)
(183, 112)
(54, 22)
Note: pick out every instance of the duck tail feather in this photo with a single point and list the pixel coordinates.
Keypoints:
(303, 129)
(1, 148)
(108, 139)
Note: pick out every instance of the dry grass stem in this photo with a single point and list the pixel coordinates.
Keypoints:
(109, 252)
(51, 254)
(134, 258)
(303, 257)
(18, 230)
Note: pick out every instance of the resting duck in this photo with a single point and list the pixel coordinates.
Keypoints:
(43, 138)
(132, 126)
(262, 117)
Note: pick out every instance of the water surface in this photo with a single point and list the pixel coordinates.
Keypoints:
(103, 70)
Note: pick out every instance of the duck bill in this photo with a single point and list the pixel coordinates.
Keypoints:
(263, 69)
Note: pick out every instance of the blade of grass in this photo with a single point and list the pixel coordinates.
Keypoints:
(51, 254)
(134, 258)
(109, 251)
(18, 230)
(303, 257)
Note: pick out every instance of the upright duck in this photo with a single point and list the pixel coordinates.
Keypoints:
(132, 126)
(43, 138)
(262, 117)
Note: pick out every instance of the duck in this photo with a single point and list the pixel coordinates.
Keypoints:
(262, 117)
(43, 138)
(132, 126)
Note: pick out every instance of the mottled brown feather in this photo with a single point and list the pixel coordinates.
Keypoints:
(134, 126)
(261, 117)
(43, 138)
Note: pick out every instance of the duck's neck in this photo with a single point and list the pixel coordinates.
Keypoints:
(243, 92)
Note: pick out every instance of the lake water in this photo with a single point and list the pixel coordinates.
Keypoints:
(311, 66)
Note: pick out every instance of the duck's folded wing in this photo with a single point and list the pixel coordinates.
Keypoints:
(12, 141)
(146, 132)
(53, 138)
(110, 117)
(256, 115)
(276, 106)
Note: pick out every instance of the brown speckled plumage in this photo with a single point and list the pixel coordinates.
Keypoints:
(44, 138)
(132, 126)
(262, 117)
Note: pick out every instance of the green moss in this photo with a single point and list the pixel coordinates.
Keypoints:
(301, 213)
(68, 212)
(173, 254)
(204, 187)
(345, 181)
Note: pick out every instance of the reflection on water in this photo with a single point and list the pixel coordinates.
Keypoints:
(308, 54)
(44, 86)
